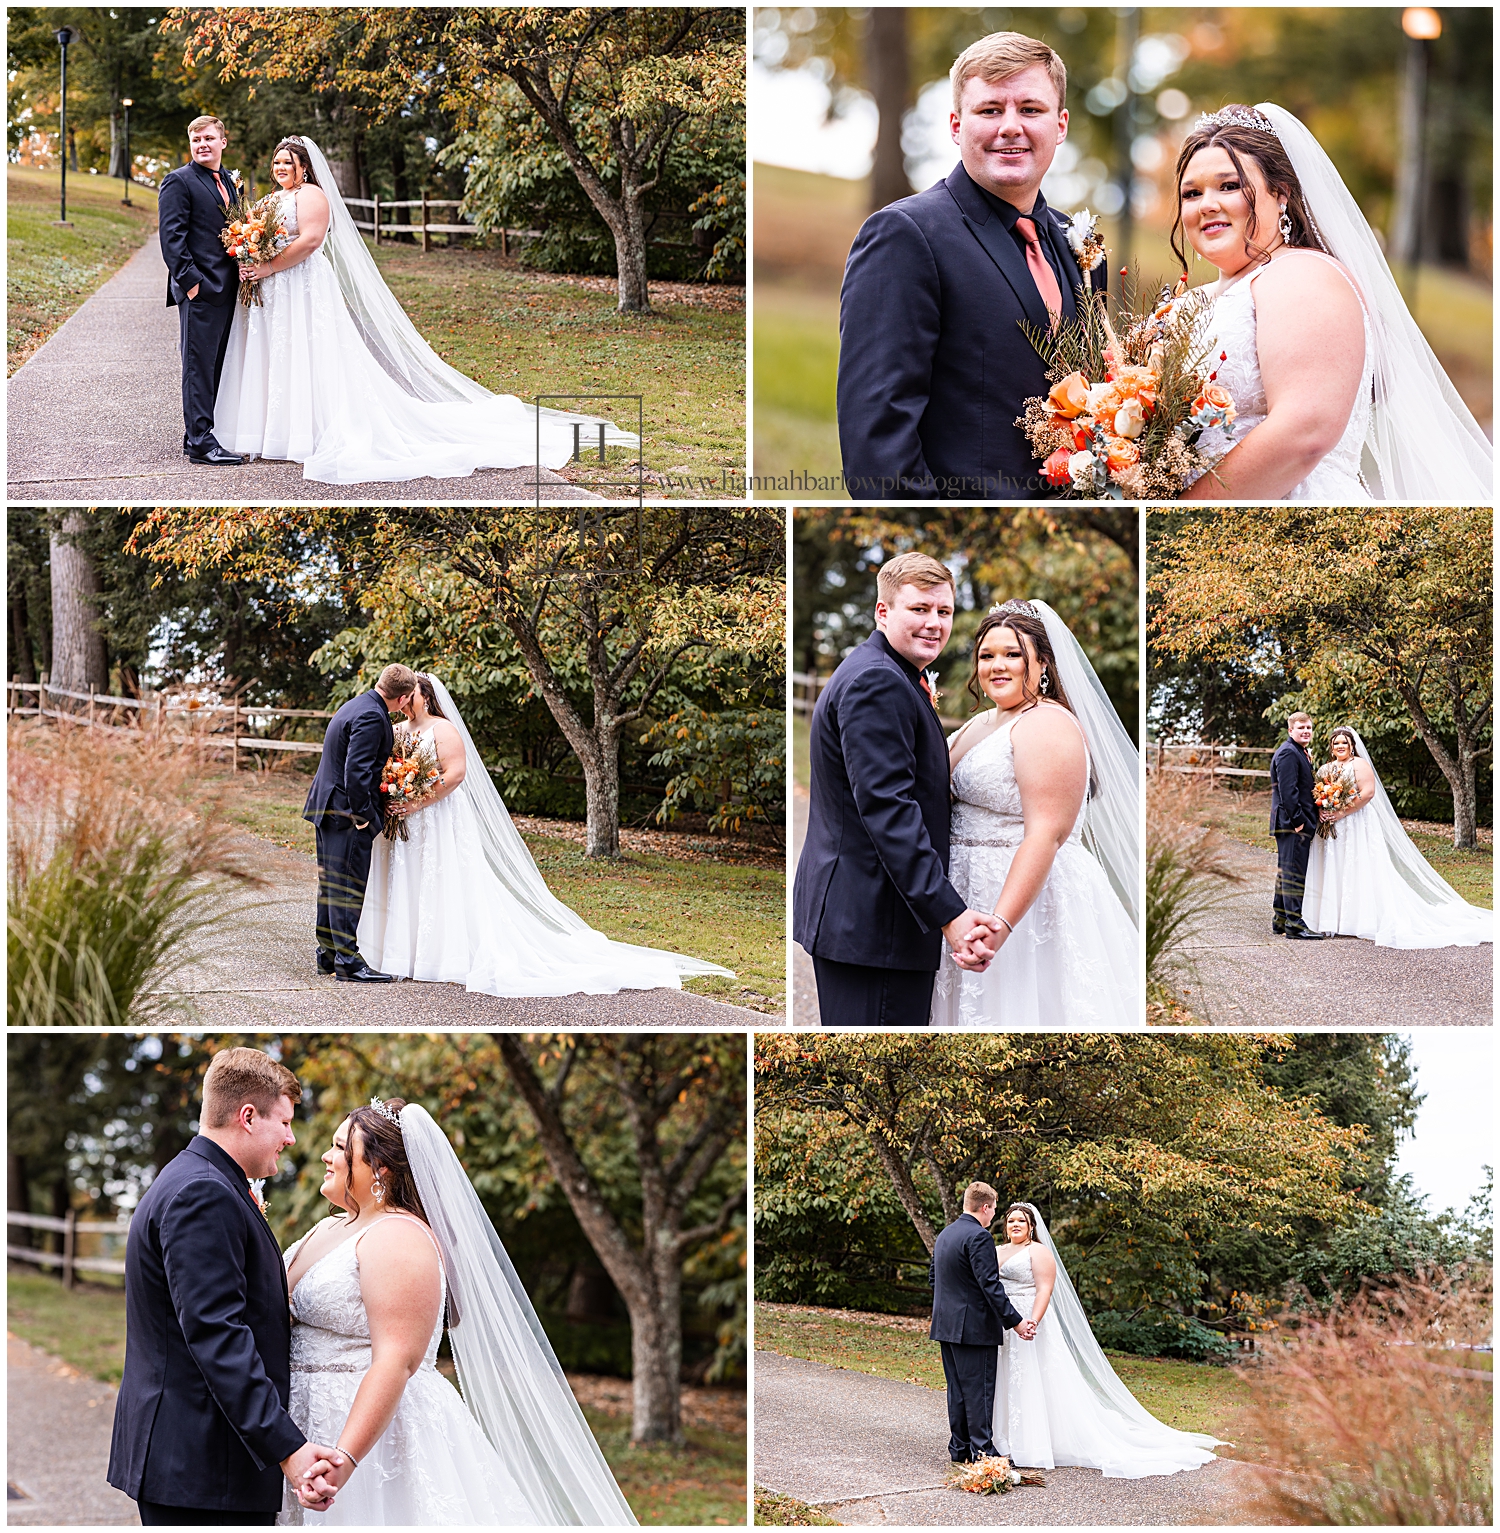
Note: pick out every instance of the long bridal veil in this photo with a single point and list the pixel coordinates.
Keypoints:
(1423, 443)
(507, 1370)
(1440, 916)
(397, 344)
(1111, 829)
(1102, 1380)
(501, 846)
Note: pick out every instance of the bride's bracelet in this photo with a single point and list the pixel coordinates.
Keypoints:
(1011, 929)
(348, 1455)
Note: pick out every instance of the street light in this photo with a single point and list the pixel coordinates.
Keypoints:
(127, 103)
(1422, 26)
(64, 36)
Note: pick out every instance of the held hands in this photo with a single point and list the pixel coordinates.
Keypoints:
(1027, 1330)
(975, 939)
(316, 1474)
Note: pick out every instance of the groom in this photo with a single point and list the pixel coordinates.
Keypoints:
(970, 1316)
(344, 807)
(203, 280)
(201, 1432)
(1294, 822)
(933, 365)
(872, 902)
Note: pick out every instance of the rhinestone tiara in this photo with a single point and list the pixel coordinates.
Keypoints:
(385, 1111)
(1236, 117)
(1015, 604)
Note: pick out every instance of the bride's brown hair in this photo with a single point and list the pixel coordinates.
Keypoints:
(429, 696)
(384, 1152)
(1026, 626)
(1275, 169)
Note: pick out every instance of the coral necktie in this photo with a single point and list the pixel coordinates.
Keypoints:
(1041, 272)
(224, 196)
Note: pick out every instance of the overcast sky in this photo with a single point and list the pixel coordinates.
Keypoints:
(1454, 1135)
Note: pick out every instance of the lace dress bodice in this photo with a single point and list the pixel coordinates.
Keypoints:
(1232, 324)
(1019, 1280)
(330, 1330)
(986, 800)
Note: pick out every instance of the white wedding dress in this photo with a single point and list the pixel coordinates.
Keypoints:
(1371, 881)
(1046, 1414)
(1071, 962)
(462, 901)
(1336, 479)
(433, 1466)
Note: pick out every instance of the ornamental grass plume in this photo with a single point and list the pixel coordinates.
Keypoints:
(1188, 869)
(117, 853)
(1379, 1409)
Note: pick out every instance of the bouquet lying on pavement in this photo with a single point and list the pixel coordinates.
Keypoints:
(409, 777)
(1333, 793)
(992, 1477)
(254, 232)
(1132, 394)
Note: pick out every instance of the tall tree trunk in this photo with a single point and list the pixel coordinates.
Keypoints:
(23, 661)
(18, 1197)
(78, 658)
(895, 1168)
(656, 1354)
(630, 259)
(1459, 772)
(61, 1202)
(403, 188)
(601, 786)
(889, 71)
(116, 145)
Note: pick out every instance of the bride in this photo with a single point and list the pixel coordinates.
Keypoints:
(462, 901)
(1045, 834)
(1365, 878)
(369, 1287)
(328, 371)
(1339, 396)
(1057, 1400)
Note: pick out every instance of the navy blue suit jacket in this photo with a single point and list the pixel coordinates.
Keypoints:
(201, 1419)
(969, 1303)
(1292, 789)
(356, 746)
(933, 366)
(189, 218)
(872, 881)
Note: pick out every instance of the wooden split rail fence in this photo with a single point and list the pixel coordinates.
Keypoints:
(806, 689)
(69, 1227)
(158, 714)
(426, 229)
(1212, 759)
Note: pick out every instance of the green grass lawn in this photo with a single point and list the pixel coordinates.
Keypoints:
(1244, 817)
(524, 333)
(775, 1511)
(702, 1484)
(723, 911)
(1192, 1397)
(50, 271)
(796, 378)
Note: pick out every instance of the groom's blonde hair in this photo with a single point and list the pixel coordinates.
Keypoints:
(237, 1076)
(910, 569)
(1001, 55)
(396, 682)
(1298, 718)
(203, 122)
(979, 1195)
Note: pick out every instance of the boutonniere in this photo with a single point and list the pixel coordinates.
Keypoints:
(258, 1197)
(930, 686)
(1085, 239)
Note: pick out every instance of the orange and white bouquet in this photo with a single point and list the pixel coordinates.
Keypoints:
(1333, 790)
(254, 233)
(410, 776)
(1132, 395)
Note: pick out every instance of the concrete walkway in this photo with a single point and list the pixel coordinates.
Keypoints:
(96, 415)
(871, 1451)
(257, 966)
(57, 1431)
(1248, 977)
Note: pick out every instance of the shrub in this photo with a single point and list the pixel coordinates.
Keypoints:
(1162, 1335)
(116, 854)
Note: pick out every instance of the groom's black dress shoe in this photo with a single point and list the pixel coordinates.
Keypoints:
(1301, 934)
(362, 971)
(326, 961)
(216, 455)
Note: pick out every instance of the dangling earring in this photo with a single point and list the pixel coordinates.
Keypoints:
(1044, 683)
(1284, 223)
(378, 1188)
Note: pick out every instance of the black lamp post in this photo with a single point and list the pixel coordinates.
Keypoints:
(127, 103)
(64, 36)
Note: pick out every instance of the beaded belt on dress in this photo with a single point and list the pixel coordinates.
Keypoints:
(331, 1367)
(989, 840)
